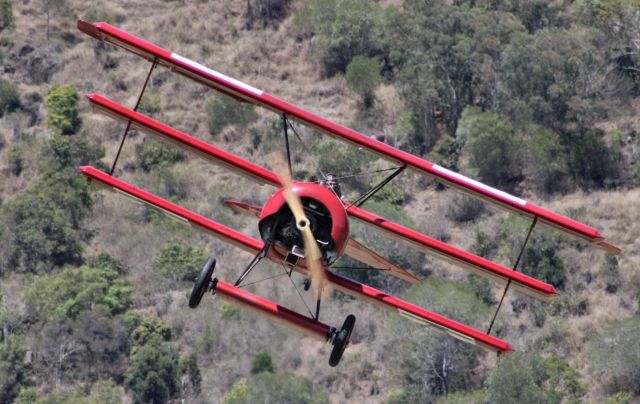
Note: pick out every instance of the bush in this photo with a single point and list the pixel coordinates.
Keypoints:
(9, 98)
(62, 106)
(363, 76)
(223, 111)
(541, 260)
(6, 14)
(463, 208)
(546, 160)
(274, 388)
(15, 161)
(145, 328)
(73, 290)
(592, 162)
(179, 263)
(267, 11)
(262, 363)
(152, 154)
(529, 378)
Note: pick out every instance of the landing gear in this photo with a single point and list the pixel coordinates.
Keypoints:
(203, 284)
(341, 340)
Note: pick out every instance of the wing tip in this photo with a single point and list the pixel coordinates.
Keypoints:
(608, 247)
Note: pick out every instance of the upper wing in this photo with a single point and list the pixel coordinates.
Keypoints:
(238, 89)
(426, 244)
(355, 250)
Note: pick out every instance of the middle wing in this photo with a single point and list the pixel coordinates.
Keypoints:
(459, 257)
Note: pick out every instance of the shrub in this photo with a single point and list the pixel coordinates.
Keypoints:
(6, 14)
(178, 262)
(267, 11)
(223, 111)
(532, 379)
(145, 328)
(150, 103)
(62, 106)
(592, 162)
(15, 161)
(275, 388)
(152, 154)
(262, 363)
(541, 260)
(9, 98)
(73, 290)
(363, 76)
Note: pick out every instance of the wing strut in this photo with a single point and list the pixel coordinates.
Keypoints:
(126, 130)
(515, 268)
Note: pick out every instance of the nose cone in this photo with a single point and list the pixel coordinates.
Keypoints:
(324, 200)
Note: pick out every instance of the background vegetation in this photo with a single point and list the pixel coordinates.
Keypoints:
(538, 98)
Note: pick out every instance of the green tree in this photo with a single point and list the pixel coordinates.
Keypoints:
(493, 146)
(46, 219)
(153, 373)
(62, 107)
(532, 379)
(549, 78)
(262, 363)
(9, 98)
(343, 29)
(446, 58)
(615, 355)
(363, 76)
(15, 372)
(546, 162)
(72, 290)
(179, 262)
(223, 111)
(146, 328)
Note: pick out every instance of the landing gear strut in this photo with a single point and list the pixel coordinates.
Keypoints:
(203, 284)
(341, 340)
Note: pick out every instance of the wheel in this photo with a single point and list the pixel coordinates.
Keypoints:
(341, 340)
(202, 284)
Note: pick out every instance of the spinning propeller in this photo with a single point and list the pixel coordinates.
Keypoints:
(313, 256)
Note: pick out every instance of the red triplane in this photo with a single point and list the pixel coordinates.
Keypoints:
(305, 225)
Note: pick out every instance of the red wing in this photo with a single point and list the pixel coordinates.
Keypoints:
(424, 243)
(216, 229)
(238, 89)
(273, 311)
(355, 250)
(167, 134)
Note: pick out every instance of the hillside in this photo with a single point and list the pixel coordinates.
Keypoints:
(537, 98)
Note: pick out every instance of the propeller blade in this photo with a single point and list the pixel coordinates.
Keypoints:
(313, 256)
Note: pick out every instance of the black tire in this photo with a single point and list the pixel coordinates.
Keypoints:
(341, 340)
(202, 284)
